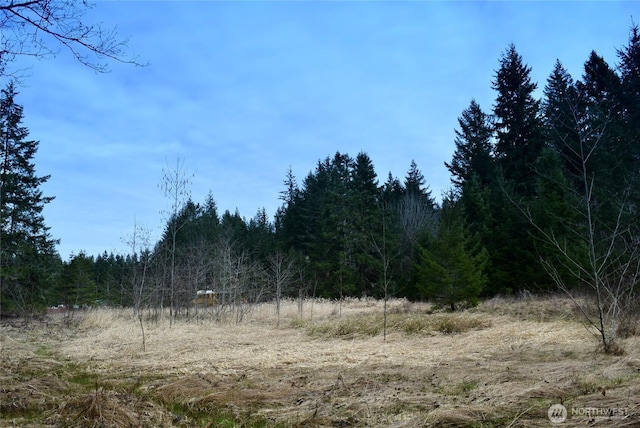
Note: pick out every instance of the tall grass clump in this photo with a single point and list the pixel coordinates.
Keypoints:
(530, 307)
(347, 328)
(450, 324)
(103, 318)
(445, 323)
(410, 324)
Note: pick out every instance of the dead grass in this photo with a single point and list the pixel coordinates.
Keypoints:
(533, 308)
(501, 364)
(100, 408)
(372, 324)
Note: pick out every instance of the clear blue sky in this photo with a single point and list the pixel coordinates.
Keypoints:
(243, 90)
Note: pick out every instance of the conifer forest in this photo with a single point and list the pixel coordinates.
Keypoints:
(544, 197)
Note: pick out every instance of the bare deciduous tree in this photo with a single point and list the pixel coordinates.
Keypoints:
(416, 215)
(240, 282)
(40, 28)
(601, 250)
(175, 186)
(139, 242)
(386, 251)
(281, 272)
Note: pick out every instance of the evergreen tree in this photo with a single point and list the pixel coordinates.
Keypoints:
(260, 237)
(364, 186)
(392, 191)
(562, 107)
(415, 184)
(553, 211)
(78, 285)
(108, 279)
(473, 170)
(26, 247)
(514, 264)
(365, 217)
(519, 143)
(630, 73)
(517, 121)
(187, 225)
(450, 266)
(473, 148)
(208, 226)
(209, 222)
(336, 228)
(307, 212)
(601, 87)
(630, 98)
(290, 195)
(289, 219)
(234, 227)
(603, 143)
(475, 202)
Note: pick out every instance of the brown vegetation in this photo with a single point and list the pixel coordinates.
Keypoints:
(501, 364)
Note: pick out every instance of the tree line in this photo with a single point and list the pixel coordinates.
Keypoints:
(545, 196)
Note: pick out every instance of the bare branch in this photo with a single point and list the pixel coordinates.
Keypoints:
(39, 28)
(612, 266)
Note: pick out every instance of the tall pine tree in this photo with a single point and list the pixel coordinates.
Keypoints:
(367, 222)
(519, 143)
(630, 73)
(473, 148)
(562, 107)
(517, 121)
(26, 247)
(605, 148)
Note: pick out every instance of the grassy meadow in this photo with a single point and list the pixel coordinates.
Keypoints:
(327, 364)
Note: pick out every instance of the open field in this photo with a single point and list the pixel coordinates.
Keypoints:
(502, 364)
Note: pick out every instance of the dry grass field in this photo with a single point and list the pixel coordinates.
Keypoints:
(502, 364)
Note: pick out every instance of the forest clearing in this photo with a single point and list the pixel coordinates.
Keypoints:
(501, 364)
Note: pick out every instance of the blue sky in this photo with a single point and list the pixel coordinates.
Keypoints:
(241, 91)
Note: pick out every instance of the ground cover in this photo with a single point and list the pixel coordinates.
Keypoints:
(501, 364)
